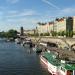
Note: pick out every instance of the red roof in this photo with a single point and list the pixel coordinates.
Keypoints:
(50, 23)
(60, 20)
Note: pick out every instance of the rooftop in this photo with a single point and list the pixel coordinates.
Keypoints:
(51, 58)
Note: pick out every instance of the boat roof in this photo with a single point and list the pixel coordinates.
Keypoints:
(70, 66)
(51, 59)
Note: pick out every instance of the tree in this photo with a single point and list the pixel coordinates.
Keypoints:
(59, 33)
(62, 33)
(67, 33)
(71, 34)
(39, 23)
(46, 34)
(54, 33)
(2, 34)
(12, 33)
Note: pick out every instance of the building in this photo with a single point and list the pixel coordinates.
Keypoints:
(65, 24)
(45, 28)
(51, 27)
(29, 32)
(74, 24)
(42, 28)
(60, 25)
(69, 26)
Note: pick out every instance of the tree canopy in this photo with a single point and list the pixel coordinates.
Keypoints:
(9, 34)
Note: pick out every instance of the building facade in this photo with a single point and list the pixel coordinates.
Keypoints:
(29, 32)
(74, 24)
(66, 24)
(21, 31)
(60, 25)
(43, 28)
(46, 28)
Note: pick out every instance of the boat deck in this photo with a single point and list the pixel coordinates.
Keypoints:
(63, 53)
(57, 62)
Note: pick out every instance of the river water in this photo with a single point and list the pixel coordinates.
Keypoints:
(18, 60)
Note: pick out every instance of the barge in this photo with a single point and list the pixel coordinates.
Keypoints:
(57, 66)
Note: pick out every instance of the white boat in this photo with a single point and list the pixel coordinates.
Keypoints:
(56, 66)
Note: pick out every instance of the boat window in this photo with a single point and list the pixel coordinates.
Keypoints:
(51, 44)
(45, 57)
(70, 72)
(62, 69)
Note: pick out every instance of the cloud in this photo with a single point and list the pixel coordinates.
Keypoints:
(16, 18)
(51, 4)
(14, 14)
(22, 20)
(28, 13)
(27, 23)
(12, 1)
(67, 12)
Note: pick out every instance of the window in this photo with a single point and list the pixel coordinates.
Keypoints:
(62, 69)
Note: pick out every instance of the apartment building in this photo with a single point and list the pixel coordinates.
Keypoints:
(66, 24)
(74, 24)
(45, 28)
(60, 25)
(29, 32)
(51, 26)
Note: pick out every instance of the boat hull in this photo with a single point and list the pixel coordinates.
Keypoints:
(49, 66)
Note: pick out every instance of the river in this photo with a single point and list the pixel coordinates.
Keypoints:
(17, 60)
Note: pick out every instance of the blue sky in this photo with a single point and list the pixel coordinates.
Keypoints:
(26, 13)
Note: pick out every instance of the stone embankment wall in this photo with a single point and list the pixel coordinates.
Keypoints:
(60, 41)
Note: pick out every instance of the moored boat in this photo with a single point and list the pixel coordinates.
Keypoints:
(56, 66)
(18, 41)
(38, 50)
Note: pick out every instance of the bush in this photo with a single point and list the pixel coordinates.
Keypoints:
(10, 34)
(46, 34)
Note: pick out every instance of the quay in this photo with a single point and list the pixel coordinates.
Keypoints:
(64, 45)
(58, 60)
(63, 52)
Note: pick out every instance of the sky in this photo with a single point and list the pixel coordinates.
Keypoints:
(27, 13)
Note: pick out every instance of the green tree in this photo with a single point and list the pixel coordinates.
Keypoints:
(46, 34)
(2, 34)
(11, 34)
(71, 34)
(54, 33)
(61, 33)
(67, 33)
(41, 34)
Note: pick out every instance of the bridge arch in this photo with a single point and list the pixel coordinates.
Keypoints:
(72, 45)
